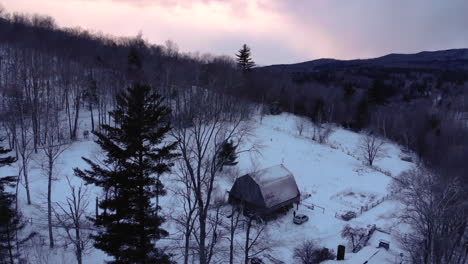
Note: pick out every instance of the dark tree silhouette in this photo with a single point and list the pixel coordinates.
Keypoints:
(244, 58)
(131, 224)
(227, 155)
(10, 220)
(376, 93)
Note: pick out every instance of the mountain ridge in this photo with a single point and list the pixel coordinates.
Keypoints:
(451, 58)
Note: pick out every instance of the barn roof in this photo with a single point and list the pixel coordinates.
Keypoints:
(277, 185)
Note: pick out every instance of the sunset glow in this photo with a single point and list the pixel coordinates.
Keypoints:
(277, 31)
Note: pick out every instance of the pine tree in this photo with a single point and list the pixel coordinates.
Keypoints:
(10, 220)
(227, 156)
(135, 158)
(244, 59)
(361, 119)
(134, 65)
(376, 94)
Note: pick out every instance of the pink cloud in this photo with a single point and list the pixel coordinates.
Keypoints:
(279, 31)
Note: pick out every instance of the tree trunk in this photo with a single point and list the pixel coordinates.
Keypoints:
(202, 246)
(49, 203)
(26, 181)
(92, 117)
(187, 246)
(10, 246)
(35, 122)
(67, 107)
(79, 246)
(77, 114)
(231, 246)
(247, 238)
(234, 224)
(25, 155)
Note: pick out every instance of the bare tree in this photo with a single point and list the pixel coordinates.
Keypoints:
(234, 214)
(215, 224)
(186, 220)
(305, 252)
(72, 217)
(203, 120)
(234, 218)
(52, 149)
(25, 148)
(437, 211)
(371, 148)
(309, 253)
(255, 242)
(355, 236)
(321, 117)
(300, 125)
(323, 132)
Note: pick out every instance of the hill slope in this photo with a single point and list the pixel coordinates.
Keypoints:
(453, 59)
(332, 174)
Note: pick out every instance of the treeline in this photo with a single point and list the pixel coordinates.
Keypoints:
(425, 111)
(43, 66)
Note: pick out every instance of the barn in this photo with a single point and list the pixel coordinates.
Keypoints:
(266, 191)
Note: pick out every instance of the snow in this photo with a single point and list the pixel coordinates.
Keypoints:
(277, 185)
(272, 173)
(332, 174)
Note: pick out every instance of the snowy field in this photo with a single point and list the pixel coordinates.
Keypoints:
(331, 173)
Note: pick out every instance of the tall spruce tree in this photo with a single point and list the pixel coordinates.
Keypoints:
(135, 158)
(377, 94)
(10, 220)
(244, 58)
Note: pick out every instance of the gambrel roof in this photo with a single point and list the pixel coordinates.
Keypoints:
(267, 189)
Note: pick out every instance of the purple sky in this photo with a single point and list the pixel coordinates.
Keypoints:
(279, 31)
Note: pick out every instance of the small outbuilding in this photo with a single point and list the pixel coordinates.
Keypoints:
(266, 191)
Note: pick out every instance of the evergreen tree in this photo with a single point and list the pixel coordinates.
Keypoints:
(227, 155)
(244, 59)
(361, 119)
(348, 91)
(318, 114)
(376, 94)
(134, 65)
(10, 220)
(135, 158)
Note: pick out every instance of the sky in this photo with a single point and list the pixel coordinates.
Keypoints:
(278, 31)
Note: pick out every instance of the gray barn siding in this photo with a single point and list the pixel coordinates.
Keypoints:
(276, 190)
(247, 190)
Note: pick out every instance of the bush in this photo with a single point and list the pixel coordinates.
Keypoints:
(357, 236)
(309, 253)
(348, 215)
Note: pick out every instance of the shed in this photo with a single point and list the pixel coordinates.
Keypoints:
(266, 191)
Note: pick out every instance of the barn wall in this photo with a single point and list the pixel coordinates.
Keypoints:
(246, 189)
(283, 204)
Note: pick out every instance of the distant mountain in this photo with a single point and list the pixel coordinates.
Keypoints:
(447, 59)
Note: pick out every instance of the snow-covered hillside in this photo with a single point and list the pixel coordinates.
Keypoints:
(332, 174)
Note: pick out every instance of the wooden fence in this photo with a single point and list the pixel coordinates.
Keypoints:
(367, 207)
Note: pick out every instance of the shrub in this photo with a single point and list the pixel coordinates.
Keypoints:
(309, 253)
